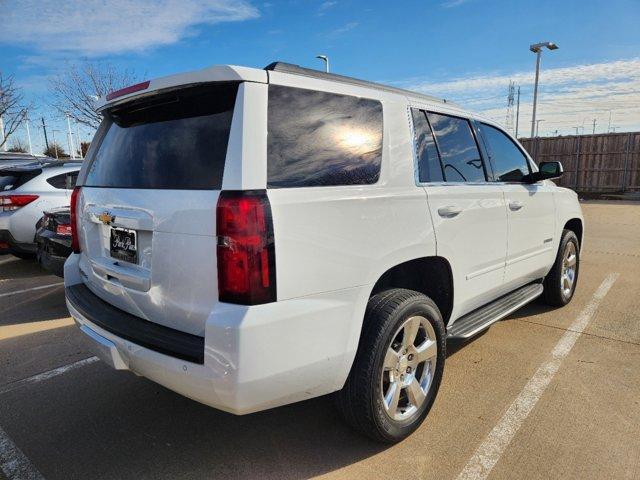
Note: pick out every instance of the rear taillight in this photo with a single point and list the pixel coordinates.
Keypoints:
(246, 249)
(75, 241)
(14, 202)
(64, 230)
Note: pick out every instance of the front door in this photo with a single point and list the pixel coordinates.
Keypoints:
(530, 210)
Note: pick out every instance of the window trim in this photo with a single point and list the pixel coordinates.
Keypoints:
(416, 173)
(490, 156)
(414, 145)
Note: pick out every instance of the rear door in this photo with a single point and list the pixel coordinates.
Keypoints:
(148, 204)
(468, 212)
(530, 210)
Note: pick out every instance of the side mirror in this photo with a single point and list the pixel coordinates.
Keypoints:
(546, 171)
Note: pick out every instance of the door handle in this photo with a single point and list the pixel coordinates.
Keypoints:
(516, 205)
(449, 211)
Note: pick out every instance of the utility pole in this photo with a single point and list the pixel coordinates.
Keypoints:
(594, 126)
(2, 137)
(510, 101)
(26, 122)
(576, 130)
(71, 149)
(44, 129)
(609, 127)
(518, 111)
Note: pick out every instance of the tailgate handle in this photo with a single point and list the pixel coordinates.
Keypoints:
(129, 279)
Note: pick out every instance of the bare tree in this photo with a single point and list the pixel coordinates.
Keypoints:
(55, 150)
(12, 108)
(84, 147)
(76, 89)
(18, 146)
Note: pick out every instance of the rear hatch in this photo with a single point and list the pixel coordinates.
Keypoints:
(148, 202)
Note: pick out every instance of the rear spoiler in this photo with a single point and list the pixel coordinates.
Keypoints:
(218, 73)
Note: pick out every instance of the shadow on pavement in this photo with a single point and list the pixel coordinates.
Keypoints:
(97, 423)
(13, 268)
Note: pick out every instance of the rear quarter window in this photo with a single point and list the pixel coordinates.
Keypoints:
(64, 181)
(176, 140)
(322, 139)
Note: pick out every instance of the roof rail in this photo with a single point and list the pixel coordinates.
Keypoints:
(308, 72)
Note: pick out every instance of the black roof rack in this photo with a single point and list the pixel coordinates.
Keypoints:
(309, 72)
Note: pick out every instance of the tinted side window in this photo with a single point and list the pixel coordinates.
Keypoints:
(429, 168)
(319, 138)
(461, 159)
(508, 161)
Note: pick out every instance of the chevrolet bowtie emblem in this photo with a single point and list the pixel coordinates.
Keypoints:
(106, 218)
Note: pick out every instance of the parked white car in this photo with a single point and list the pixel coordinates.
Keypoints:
(251, 238)
(25, 192)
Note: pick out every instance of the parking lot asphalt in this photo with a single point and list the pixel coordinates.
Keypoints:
(545, 393)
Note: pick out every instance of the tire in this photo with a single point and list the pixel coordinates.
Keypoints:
(560, 283)
(377, 371)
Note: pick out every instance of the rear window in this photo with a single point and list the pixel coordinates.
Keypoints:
(10, 180)
(322, 139)
(176, 140)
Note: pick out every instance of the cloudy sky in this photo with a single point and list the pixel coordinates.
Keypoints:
(465, 50)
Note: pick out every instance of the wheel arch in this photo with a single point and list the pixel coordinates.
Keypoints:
(577, 227)
(431, 276)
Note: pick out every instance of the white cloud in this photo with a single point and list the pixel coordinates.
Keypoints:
(324, 6)
(453, 3)
(568, 96)
(342, 30)
(96, 27)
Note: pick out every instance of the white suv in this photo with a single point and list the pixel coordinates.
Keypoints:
(25, 192)
(251, 238)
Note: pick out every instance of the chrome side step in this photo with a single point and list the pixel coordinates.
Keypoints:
(480, 319)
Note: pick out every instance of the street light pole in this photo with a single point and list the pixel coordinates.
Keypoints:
(535, 91)
(2, 137)
(518, 112)
(537, 49)
(26, 122)
(326, 62)
(71, 148)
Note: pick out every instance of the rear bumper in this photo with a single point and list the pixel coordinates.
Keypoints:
(53, 250)
(13, 245)
(253, 358)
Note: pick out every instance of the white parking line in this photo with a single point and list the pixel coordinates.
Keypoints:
(488, 453)
(13, 463)
(47, 375)
(42, 287)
